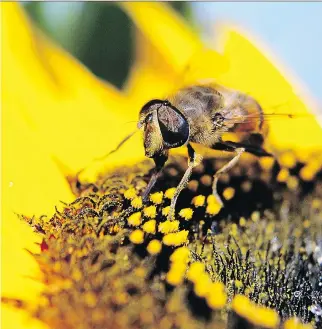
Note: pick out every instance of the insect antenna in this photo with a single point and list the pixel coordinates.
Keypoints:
(124, 140)
(121, 143)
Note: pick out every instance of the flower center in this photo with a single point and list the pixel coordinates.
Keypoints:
(109, 260)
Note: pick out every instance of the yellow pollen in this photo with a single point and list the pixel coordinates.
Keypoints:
(198, 201)
(180, 255)
(90, 299)
(242, 221)
(255, 216)
(264, 317)
(266, 163)
(238, 284)
(176, 274)
(169, 226)
(137, 202)
(149, 226)
(306, 223)
(287, 159)
(258, 315)
(137, 237)
(241, 305)
(186, 213)
(246, 186)
(307, 173)
(135, 219)
(295, 323)
(233, 230)
(216, 297)
(130, 193)
(206, 180)
(211, 199)
(193, 185)
(150, 211)
(154, 247)
(115, 229)
(157, 197)
(202, 285)
(229, 193)
(195, 270)
(169, 193)
(292, 183)
(213, 207)
(283, 175)
(316, 203)
(176, 239)
(165, 211)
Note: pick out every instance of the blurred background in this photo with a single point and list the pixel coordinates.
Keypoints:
(100, 33)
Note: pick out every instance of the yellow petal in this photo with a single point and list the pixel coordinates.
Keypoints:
(251, 72)
(168, 54)
(12, 318)
(31, 182)
(150, 76)
(20, 274)
(166, 31)
(77, 116)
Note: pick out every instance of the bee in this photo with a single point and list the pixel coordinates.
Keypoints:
(201, 114)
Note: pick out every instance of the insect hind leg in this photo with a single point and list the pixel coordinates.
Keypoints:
(239, 149)
(224, 169)
(253, 149)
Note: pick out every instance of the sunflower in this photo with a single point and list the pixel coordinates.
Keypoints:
(97, 256)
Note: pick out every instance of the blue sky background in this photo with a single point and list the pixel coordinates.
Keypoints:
(292, 30)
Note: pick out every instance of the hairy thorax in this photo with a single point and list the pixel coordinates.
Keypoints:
(198, 104)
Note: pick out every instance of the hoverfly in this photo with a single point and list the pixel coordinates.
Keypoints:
(200, 114)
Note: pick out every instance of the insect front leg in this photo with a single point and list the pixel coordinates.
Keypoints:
(194, 160)
(159, 161)
(225, 168)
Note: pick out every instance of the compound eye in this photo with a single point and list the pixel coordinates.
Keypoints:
(174, 127)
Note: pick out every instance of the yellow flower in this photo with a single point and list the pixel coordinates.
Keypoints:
(53, 110)
(57, 117)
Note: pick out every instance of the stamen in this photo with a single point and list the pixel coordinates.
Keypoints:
(165, 211)
(157, 197)
(176, 239)
(186, 213)
(150, 212)
(169, 193)
(287, 159)
(154, 247)
(283, 175)
(198, 201)
(150, 226)
(137, 237)
(130, 193)
(229, 193)
(137, 202)
(135, 219)
(216, 298)
(169, 226)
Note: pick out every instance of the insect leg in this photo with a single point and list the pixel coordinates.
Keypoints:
(159, 161)
(253, 149)
(194, 160)
(225, 168)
